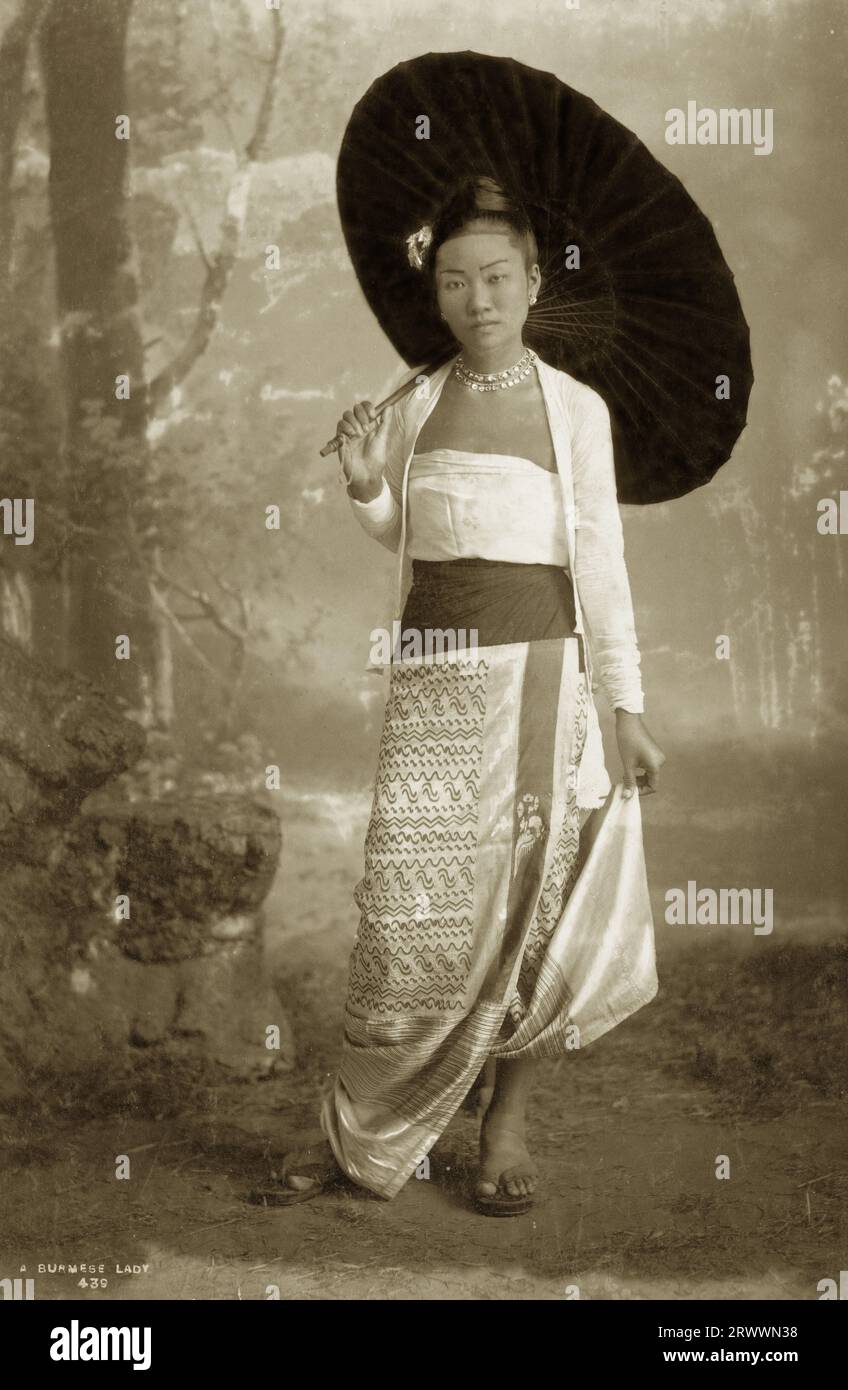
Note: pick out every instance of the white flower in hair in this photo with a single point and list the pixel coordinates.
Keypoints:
(417, 244)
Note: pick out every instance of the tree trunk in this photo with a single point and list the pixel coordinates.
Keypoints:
(16, 607)
(14, 52)
(164, 710)
(106, 458)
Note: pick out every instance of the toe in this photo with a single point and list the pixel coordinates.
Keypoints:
(516, 1183)
(299, 1183)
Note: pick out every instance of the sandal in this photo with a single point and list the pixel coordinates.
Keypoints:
(274, 1192)
(502, 1204)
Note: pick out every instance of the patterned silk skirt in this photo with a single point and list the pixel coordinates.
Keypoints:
(483, 929)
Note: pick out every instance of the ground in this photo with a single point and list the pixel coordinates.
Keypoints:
(740, 1055)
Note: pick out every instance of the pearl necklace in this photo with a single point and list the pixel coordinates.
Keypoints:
(495, 381)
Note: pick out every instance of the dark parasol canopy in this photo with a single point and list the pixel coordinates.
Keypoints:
(651, 319)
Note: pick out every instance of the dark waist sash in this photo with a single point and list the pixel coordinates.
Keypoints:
(504, 601)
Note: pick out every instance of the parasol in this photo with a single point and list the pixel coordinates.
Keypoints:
(650, 318)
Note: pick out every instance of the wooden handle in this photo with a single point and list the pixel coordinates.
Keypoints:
(398, 394)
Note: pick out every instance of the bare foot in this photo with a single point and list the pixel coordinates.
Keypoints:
(313, 1155)
(505, 1163)
(484, 1088)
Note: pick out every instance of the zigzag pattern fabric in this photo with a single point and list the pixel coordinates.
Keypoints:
(466, 946)
(416, 899)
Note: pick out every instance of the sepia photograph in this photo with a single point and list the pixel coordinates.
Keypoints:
(423, 689)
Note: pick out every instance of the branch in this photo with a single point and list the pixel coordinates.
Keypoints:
(152, 567)
(266, 105)
(195, 231)
(178, 619)
(204, 603)
(220, 268)
(235, 594)
(175, 622)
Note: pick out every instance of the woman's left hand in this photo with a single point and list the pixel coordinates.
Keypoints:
(641, 755)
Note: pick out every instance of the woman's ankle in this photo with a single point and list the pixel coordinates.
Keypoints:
(505, 1117)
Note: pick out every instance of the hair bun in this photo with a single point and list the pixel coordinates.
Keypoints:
(472, 198)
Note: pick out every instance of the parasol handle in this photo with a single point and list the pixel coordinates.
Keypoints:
(396, 395)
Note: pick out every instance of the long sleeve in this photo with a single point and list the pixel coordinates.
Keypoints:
(600, 571)
(381, 517)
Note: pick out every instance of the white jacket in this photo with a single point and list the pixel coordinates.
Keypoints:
(579, 422)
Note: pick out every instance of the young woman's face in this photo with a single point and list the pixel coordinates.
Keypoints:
(483, 286)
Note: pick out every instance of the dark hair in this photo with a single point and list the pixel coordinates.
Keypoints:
(478, 198)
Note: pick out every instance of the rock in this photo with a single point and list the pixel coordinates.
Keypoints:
(195, 872)
(59, 740)
(84, 990)
(226, 1003)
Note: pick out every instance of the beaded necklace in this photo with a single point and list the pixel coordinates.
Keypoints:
(495, 381)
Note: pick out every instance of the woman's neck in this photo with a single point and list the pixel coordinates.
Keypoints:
(497, 358)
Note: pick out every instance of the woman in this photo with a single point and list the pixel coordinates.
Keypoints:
(503, 914)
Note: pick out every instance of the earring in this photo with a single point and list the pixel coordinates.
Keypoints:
(532, 299)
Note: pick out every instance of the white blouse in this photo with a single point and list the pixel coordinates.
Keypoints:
(489, 506)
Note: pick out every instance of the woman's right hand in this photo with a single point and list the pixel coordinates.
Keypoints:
(363, 450)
